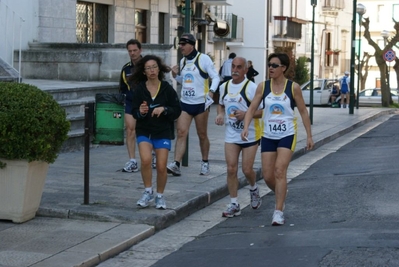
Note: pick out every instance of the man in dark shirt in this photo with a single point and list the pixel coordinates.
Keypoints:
(134, 49)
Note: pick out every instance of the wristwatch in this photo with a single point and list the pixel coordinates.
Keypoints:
(165, 110)
(212, 91)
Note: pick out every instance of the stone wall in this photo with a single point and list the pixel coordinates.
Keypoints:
(81, 62)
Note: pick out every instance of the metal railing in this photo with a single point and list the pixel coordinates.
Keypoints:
(10, 29)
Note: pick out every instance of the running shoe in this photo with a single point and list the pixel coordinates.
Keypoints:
(160, 202)
(204, 168)
(131, 166)
(278, 218)
(256, 201)
(173, 169)
(145, 199)
(154, 161)
(232, 210)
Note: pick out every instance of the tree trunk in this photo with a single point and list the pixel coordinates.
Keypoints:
(396, 68)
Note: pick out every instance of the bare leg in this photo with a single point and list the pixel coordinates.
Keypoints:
(145, 150)
(130, 123)
(232, 152)
(201, 123)
(162, 158)
(183, 126)
(248, 158)
(268, 162)
(280, 173)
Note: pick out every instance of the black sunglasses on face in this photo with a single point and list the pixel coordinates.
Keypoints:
(274, 65)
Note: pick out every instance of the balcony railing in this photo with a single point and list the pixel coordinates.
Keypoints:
(288, 27)
(10, 36)
(227, 28)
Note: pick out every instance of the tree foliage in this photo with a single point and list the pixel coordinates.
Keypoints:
(301, 70)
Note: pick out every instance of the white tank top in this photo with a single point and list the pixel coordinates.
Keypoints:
(279, 116)
(238, 97)
(194, 86)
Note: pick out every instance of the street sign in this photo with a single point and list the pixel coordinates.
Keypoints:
(389, 55)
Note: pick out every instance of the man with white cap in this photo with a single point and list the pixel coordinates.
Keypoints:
(193, 74)
(344, 82)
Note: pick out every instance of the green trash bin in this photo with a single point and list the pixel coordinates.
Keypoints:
(109, 119)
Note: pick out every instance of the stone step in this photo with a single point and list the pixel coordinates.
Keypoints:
(81, 92)
(73, 106)
(73, 96)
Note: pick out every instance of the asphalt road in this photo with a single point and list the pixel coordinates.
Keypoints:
(342, 211)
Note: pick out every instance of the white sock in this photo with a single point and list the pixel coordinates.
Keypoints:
(159, 195)
(233, 200)
(148, 189)
(252, 188)
(133, 160)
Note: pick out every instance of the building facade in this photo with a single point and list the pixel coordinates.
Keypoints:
(252, 29)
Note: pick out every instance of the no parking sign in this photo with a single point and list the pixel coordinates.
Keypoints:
(389, 55)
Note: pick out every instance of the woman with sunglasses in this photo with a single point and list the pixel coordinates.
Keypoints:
(278, 97)
(155, 106)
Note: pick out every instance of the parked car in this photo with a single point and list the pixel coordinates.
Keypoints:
(372, 97)
(321, 91)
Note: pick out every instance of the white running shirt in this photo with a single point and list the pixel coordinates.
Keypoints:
(233, 101)
(279, 115)
(194, 86)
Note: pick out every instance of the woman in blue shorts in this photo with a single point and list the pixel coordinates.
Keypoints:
(155, 106)
(278, 98)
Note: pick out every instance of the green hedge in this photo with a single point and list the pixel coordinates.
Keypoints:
(33, 126)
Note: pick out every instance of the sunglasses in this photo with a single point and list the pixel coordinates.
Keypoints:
(182, 44)
(274, 65)
(151, 68)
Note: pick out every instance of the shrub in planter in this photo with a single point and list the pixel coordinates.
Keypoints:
(33, 126)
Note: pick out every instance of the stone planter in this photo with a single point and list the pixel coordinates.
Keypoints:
(21, 189)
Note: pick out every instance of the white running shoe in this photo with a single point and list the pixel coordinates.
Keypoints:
(256, 201)
(278, 218)
(145, 199)
(173, 169)
(204, 168)
(131, 166)
(232, 210)
(160, 203)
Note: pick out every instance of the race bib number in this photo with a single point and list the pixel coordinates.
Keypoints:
(237, 125)
(277, 127)
(188, 93)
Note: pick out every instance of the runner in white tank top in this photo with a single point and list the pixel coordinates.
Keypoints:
(277, 144)
(235, 98)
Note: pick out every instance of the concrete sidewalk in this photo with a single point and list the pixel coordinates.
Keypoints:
(68, 233)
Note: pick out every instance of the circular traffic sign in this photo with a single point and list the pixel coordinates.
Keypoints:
(389, 55)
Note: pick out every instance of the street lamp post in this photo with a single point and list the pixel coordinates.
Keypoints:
(385, 35)
(352, 70)
(314, 4)
(360, 10)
